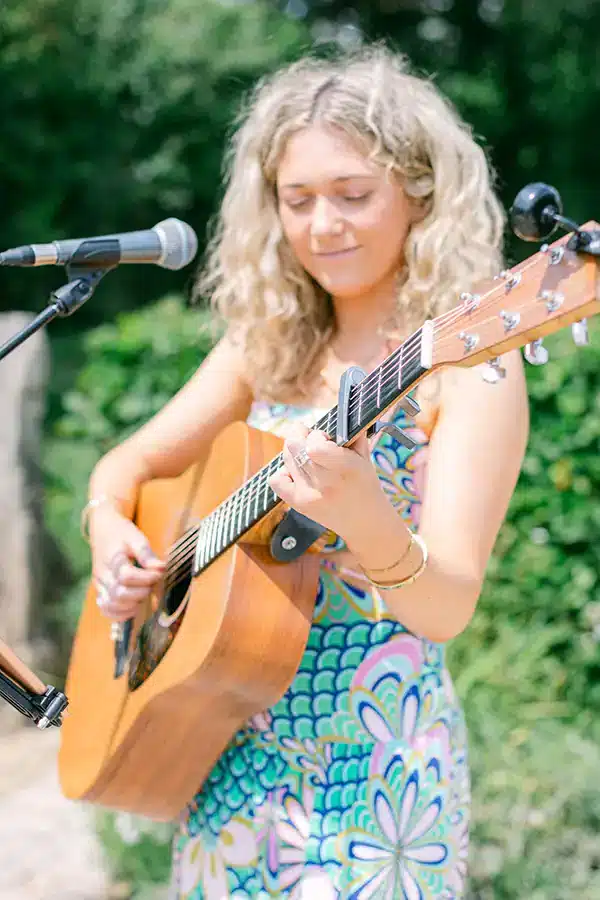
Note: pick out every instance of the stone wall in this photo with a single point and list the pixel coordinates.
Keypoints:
(23, 542)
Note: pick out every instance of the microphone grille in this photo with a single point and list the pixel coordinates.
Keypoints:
(178, 241)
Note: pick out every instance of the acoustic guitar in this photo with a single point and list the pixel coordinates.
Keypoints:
(224, 638)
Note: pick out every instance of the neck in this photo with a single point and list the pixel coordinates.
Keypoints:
(359, 320)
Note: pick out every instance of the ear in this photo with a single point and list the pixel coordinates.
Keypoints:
(420, 208)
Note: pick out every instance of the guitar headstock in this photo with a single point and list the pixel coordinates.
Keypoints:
(551, 289)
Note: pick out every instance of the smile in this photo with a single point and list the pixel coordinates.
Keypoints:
(334, 253)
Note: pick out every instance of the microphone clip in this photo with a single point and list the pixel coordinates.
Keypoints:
(80, 287)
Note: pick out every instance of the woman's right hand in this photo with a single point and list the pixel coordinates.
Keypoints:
(124, 568)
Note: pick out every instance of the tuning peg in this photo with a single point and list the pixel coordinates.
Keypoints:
(579, 331)
(493, 372)
(535, 353)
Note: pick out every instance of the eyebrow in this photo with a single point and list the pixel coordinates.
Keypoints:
(336, 180)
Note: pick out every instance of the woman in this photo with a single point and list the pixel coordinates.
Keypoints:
(357, 206)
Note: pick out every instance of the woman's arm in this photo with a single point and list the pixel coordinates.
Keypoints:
(475, 456)
(181, 433)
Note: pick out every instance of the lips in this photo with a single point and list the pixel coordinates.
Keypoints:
(332, 254)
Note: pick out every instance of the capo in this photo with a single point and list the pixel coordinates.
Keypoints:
(352, 377)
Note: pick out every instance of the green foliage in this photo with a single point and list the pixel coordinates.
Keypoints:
(114, 116)
(543, 580)
(132, 367)
(139, 851)
(527, 667)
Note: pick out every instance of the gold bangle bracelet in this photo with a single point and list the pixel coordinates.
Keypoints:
(404, 582)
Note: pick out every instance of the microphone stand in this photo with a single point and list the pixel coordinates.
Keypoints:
(66, 300)
(18, 685)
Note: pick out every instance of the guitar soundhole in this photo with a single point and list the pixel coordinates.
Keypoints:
(175, 596)
(157, 633)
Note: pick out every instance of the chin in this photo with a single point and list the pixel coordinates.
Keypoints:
(344, 290)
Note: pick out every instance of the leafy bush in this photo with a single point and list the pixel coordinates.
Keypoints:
(526, 669)
(132, 367)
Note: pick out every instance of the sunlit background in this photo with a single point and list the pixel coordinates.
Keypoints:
(115, 115)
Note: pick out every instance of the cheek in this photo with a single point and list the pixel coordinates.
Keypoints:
(297, 235)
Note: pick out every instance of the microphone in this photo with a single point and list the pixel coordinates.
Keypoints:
(171, 244)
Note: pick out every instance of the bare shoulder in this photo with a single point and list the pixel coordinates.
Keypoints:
(463, 387)
(182, 432)
(458, 382)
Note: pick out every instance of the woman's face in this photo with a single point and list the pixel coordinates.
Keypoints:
(344, 216)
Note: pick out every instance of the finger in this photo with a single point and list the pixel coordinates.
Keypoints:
(142, 552)
(121, 603)
(323, 452)
(107, 605)
(117, 613)
(361, 446)
(297, 432)
(133, 576)
(282, 484)
(297, 460)
(116, 563)
(129, 597)
(320, 446)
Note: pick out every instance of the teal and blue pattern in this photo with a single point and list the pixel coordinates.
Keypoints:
(355, 784)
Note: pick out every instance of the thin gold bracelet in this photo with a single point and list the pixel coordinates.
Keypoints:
(398, 561)
(85, 514)
(404, 582)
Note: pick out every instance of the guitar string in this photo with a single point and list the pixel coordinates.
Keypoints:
(181, 557)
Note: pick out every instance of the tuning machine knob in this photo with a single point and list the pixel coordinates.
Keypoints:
(493, 371)
(579, 331)
(535, 353)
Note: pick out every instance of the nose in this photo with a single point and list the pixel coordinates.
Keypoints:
(325, 219)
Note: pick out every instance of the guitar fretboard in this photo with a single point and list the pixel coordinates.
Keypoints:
(254, 499)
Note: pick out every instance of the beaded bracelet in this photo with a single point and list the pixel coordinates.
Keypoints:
(383, 586)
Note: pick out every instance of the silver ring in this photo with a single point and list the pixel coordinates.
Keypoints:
(116, 631)
(102, 594)
(301, 458)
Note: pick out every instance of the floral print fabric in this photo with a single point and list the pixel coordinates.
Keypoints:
(355, 784)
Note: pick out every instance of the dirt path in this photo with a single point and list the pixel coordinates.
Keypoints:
(48, 848)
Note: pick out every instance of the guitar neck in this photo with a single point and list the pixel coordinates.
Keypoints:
(378, 391)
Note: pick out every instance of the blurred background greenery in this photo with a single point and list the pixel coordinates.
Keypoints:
(115, 115)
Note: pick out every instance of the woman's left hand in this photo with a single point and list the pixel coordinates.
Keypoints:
(335, 486)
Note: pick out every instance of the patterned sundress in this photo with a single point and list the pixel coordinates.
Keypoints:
(355, 784)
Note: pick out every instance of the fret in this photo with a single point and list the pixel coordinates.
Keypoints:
(202, 552)
(399, 378)
(221, 521)
(247, 518)
(231, 510)
(240, 512)
(256, 488)
(361, 391)
(235, 516)
(213, 535)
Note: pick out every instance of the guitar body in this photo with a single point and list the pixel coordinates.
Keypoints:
(146, 741)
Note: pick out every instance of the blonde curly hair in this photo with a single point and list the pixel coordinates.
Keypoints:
(281, 317)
